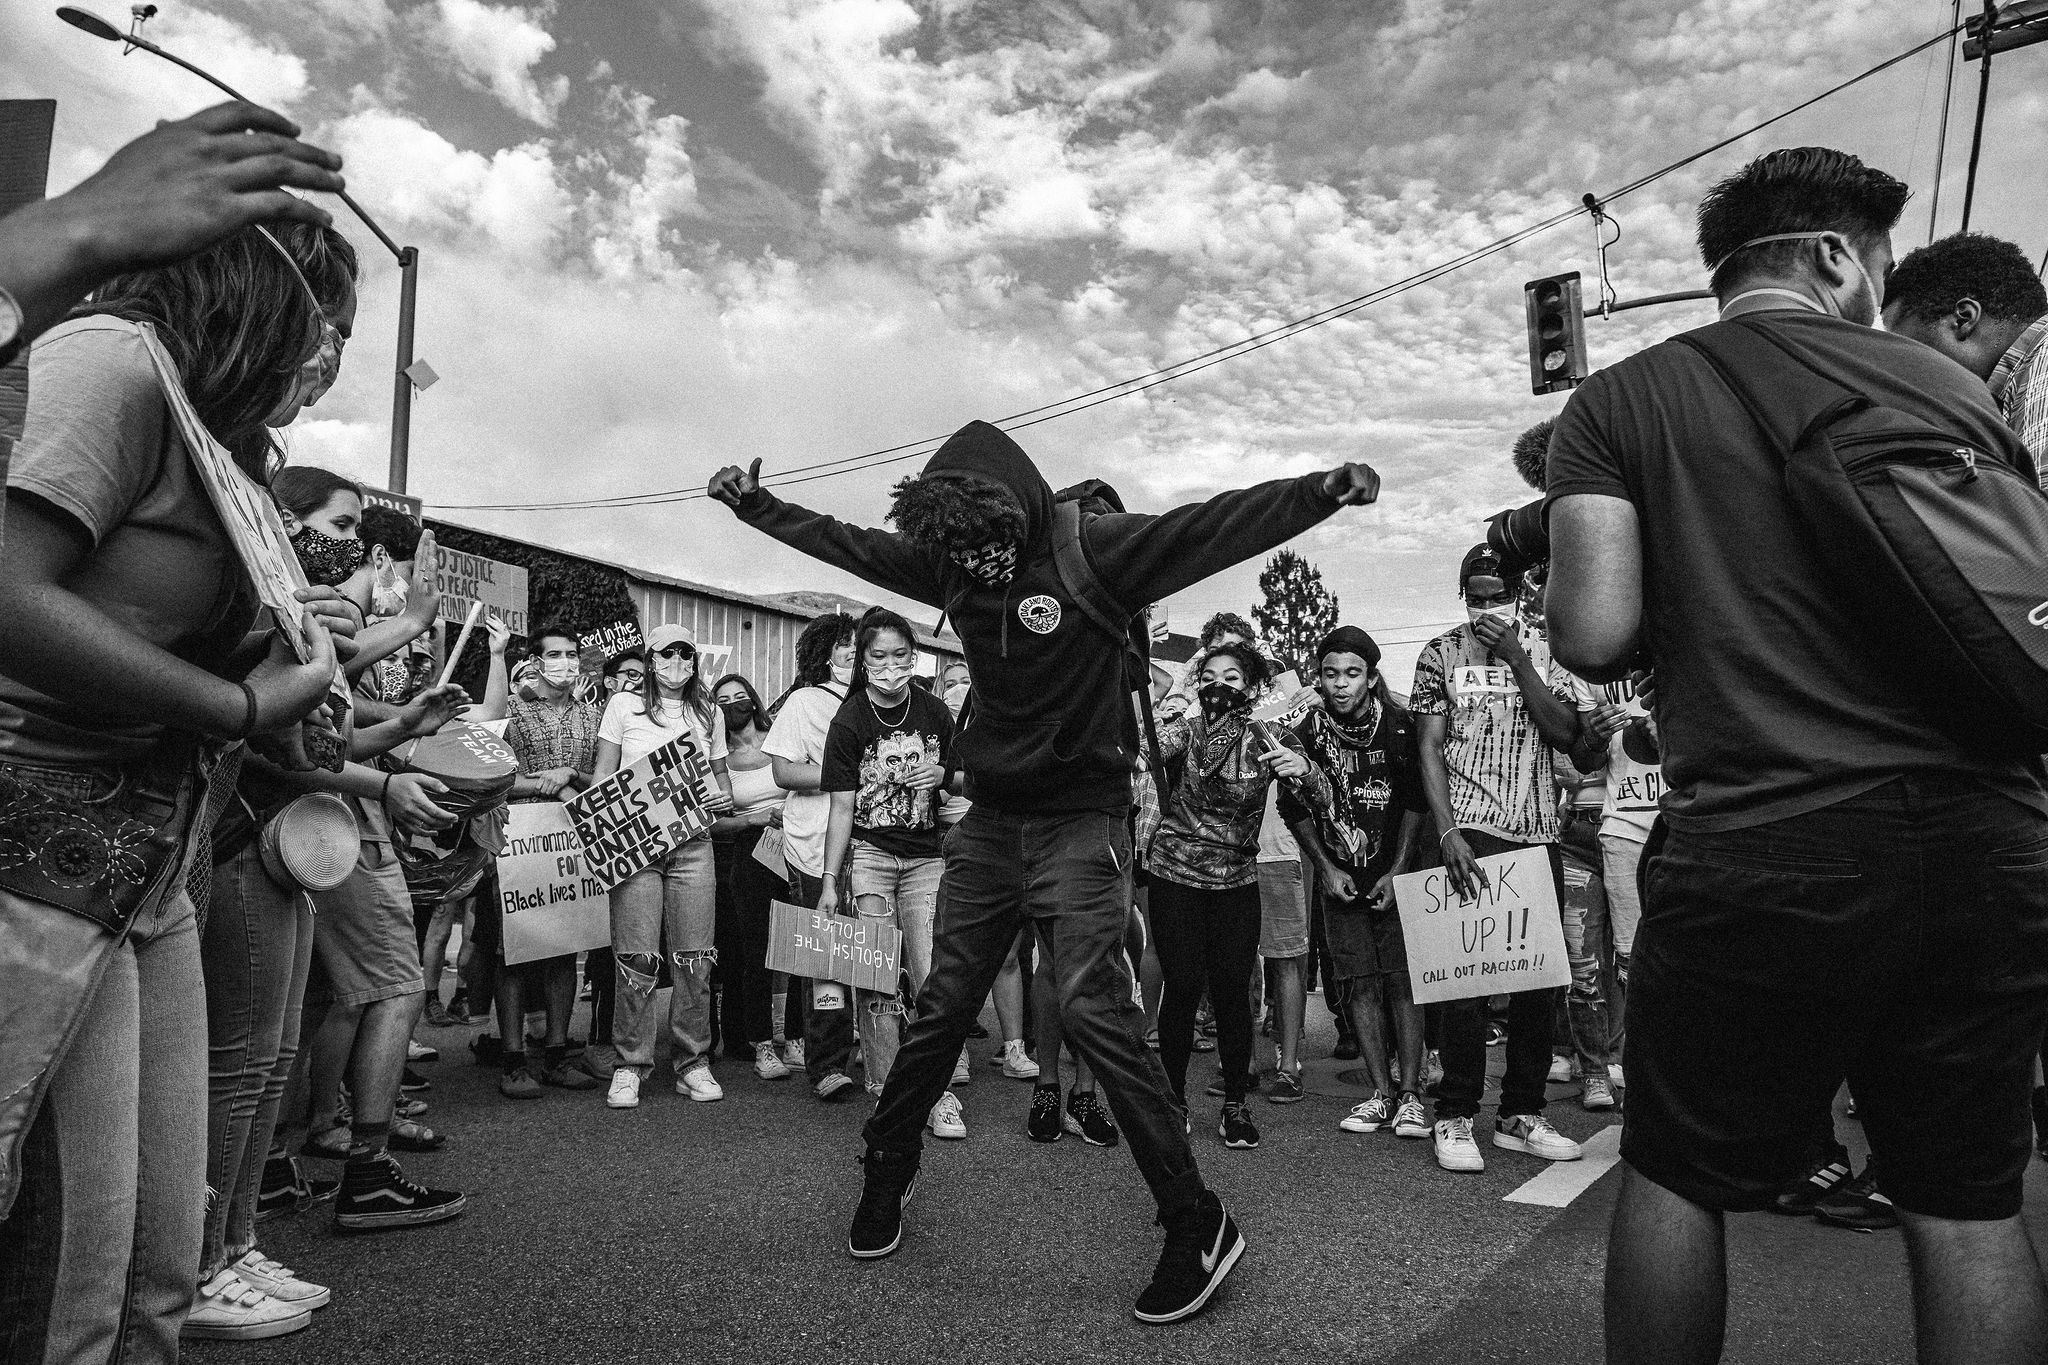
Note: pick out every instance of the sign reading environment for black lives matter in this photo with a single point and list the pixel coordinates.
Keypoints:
(552, 905)
(640, 815)
(1506, 938)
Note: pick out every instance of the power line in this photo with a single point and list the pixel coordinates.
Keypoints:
(1180, 369)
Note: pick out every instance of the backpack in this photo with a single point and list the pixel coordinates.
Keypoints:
(1942, 549)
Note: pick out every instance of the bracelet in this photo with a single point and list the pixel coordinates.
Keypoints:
(248, 711)
(384, 796)
(1445, 835)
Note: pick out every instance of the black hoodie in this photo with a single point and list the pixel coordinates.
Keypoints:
(1053, 728)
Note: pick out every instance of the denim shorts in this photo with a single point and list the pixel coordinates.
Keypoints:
(1283, 909)
(364, 948)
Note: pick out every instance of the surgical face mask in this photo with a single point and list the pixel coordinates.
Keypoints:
(956, 697)
(390, 590)
(327, 562)
(890, 677)
(675, 672)
(1504, 615)
(1219, 699)
(559, 672)
(842, 674)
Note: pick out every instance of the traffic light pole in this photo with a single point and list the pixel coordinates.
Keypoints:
(1682, 296)
(2021, 23)
(1977, 133)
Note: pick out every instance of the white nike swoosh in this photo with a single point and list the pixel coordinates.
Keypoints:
(1214, 1253)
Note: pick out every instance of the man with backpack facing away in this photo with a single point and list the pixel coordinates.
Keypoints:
(1049, 750)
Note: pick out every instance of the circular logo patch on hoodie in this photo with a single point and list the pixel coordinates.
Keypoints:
(1040, 614)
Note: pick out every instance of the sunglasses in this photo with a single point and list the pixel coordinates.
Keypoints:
(677, 652)
(631, 675)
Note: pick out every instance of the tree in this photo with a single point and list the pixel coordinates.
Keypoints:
(1297, 613)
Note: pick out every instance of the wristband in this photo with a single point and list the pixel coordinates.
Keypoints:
(384, 797)
(248, 711)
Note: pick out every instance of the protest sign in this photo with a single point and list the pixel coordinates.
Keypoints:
(1506, 938)
(552, 905)
(465, 579)
(859, 952)
(1287, 701)
(640, 815)
(612, 640)
(405, 504)
(768, 852)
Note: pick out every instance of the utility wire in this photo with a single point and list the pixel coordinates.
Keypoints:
(1948, 92)
(1180, 369)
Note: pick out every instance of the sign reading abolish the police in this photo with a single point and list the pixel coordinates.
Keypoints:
(552, 905)
(640, 815)
(466, 579)
(811, 943)
(1507, 938)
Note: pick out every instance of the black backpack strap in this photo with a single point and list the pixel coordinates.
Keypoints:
(1110, 616)
(1752, 363)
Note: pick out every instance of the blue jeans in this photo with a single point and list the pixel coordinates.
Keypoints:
(674, 902)
(1069, 874)
(1583, 910)
(901, 892)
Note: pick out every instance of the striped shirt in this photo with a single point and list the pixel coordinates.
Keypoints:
(2020, 384)
(1499, 766)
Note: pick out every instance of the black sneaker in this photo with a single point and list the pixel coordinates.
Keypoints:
(1829, 1169)
(1235, 1127)
(411, 1082)
(286, 1188)
(1202, 1246)
(1286, 1088)
(458, 1007)
(1857, 1204)
(1044, 1125)
(878, 1222)
(375, 1195)
(1086, 1117)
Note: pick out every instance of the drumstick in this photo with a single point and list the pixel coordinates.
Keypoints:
(476, 609)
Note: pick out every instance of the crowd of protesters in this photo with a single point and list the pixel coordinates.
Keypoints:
(231, 868)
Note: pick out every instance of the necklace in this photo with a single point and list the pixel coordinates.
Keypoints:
(884, 722)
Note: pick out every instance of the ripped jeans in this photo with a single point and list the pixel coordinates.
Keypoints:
(902, 892)
(1584, 910)
(670, 907)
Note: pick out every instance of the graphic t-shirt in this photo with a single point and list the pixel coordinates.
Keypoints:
(1501, 781)
(1374, 780)
(1772, 699)
(798, 736)
(1633, 788)
(871, 750)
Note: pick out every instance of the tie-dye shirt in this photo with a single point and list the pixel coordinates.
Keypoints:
(1501, 782)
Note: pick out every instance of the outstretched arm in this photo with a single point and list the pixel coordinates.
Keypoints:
(888, 561)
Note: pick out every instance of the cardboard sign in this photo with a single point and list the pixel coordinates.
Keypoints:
(552, 905)
(859, 952)
(1288, 701)
(1507, 938)
(768, 852)
(612, 640)
(466, 579)
(640, 815)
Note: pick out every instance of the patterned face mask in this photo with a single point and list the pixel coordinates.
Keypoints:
(326, 561)
(994, 564)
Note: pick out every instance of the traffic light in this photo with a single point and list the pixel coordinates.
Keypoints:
(1557, 333)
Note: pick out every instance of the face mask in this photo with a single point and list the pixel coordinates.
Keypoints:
(993, 564)
(1504, 615)
(1834, 304)
(843, 674)
(326, 561)
(389, 592)
(956, 697)
(675, 672)
(559, 672)
(738, 715)
(890, 677)
(1219, 699)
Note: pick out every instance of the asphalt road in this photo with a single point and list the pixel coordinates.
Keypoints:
(716, 1232)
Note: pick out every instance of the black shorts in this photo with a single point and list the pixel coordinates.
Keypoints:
(1898, 940)
(1366, 944)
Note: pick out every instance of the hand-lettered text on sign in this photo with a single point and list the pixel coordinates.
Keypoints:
(640, 815)
(1506, 938)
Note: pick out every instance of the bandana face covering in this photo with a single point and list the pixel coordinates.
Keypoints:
(1219, 699)
(327, 562)
(994, 564)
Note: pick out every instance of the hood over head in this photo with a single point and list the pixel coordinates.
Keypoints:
(987, 452)
(1096, 497)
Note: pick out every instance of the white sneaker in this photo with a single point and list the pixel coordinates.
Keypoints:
(963, 1074)
(1597, 1094)
(1455, 1149)
(1533, 1134)
(793, 1054)
(1409, 1120)
(1017, 1065)
(700, 1085)
(417, 1051)
(945, 1120)
(1369, 1117)
(1562, 1069)
(261, 1273)
(625, 1091)
(767, 1065)
(1614, 1075)
(228, 1308)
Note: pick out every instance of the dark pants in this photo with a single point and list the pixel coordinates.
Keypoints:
(1069, 874)
(746, 985)
(1462, 1044)
(1206, 938)
(828, 1034)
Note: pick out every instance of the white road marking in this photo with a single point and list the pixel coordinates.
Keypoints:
(1565, 1181)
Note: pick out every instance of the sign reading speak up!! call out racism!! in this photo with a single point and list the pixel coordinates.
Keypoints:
(1507, 938)
(640, 815)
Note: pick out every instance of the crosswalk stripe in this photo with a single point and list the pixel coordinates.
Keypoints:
(1565, 1181)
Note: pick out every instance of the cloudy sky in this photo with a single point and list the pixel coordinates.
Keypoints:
(661, 235)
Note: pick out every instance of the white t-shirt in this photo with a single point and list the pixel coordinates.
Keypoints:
(627, 724)
(1633, 789)
(798, 736)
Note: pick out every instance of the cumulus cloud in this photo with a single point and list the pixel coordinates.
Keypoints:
(497, 47)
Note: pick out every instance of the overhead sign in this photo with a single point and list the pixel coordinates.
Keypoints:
(466, 579)
(552, 905)
(640, 815)
(405, 504)
(1507, 938)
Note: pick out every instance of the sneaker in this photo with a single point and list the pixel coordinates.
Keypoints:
(833, 1086)
(1235, 1127)
(260, 1272)
(519, 1084)
(1016, 1063)
(1858, 1204)
(1202, 1246)
(767, 1065)
(1203, 1043)
(376, 1194)
(1044, 1125)
(458, 1007)
(793, 1055)
(963, 1074)
(1286, 1087)
(878, 1221)
(229, 1308)
(1597, 1094)
(1533, 1134)
(1409, 1120)
(700, 1085)
(944, 1120)
(1561, 1071)
(1615, 1077)
(1829, 1169)
(1369, 1116)
(411, 1081)
(625, 1091)
(1088, 1120)
(1346, 1049)
(1455, 1149)
(1152, 1039)
(417, 1051)
(978, 1032)
(437, 1015)
(567, 1077)
(286, 1188)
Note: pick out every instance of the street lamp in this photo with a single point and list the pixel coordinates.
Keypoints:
(410, 373)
